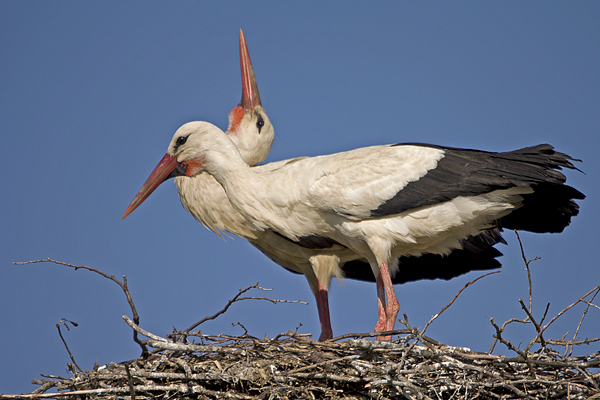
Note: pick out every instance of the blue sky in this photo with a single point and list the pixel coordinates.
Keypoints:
(93, 91)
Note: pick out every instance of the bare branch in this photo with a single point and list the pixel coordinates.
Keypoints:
(588, 305)
(455, 297)
(528, 271)
(122, 285)
(580, 300)
(66, 322)
(236, 298)
(537, 326)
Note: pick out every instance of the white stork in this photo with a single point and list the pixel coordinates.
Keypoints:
(252, 132)
(383, 203)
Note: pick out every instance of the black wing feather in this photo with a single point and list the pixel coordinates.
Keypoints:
(473, 172)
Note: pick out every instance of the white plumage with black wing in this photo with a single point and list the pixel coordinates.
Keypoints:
(385, 203)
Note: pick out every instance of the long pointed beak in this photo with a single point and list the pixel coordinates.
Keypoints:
(250, 96)
(161, 173)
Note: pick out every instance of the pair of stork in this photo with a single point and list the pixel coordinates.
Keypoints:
(389, 214)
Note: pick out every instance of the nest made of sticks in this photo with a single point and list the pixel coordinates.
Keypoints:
(189, 365)
(293, 367)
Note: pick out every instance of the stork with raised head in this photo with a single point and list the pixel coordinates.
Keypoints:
(382, 203)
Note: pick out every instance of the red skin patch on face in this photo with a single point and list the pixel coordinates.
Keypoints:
(236, 116)
(192, 167)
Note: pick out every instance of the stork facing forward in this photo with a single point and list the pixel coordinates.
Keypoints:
(382, 203)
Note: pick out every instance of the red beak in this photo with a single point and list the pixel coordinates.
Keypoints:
(161, 173)
(250, 96)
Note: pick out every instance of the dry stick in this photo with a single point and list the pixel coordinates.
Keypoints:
(545, 313)
(311, 366)
(129, 381)
(230, 302)
(163, 344)
(528, 271)
(528, 311)
(62, 320)
(454, 299)
(89, 393)
(371, 334)
(588, 304)
(123, 286)
(510, 321)
(580, 300)
(141, 331)
(508, 344)
(571, 343)
(537, 326)
(523, 354)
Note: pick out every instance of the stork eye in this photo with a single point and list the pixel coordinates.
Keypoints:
(260, 123)
(181, 140)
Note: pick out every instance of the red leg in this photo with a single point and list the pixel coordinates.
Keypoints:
(387, 303)
(382, 320)
(323, 309)
(393, 306)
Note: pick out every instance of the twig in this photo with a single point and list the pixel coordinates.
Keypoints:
(241, 326)
(588, 305)
(528, 271)
(123, 286)
(129, 381)
(141, 331)
(162, 343)
(65, 321)
(371, 334)
(571, 343)
(454, 299)
(230, 302)
(580, 300)
(510, 321)
(508, 344)
(537, 326)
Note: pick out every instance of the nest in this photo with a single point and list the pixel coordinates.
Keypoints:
(293, 367)
(189, 365)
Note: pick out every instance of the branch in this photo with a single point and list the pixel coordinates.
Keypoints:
(455, 297)
(537, 326)
(236, 298)
(123, 286)
(527, 267)
(62, 320)
(580, 300)
(588, 305)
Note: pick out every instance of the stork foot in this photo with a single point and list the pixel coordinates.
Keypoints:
(325, 335)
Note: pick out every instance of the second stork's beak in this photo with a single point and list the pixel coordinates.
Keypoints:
(250, 96)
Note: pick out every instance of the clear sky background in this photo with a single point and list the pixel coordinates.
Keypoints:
(92, 92)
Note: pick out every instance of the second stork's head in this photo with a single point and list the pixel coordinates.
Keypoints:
(249, 127)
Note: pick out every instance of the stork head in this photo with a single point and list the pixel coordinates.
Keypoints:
(193, 146)
(249, 127)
